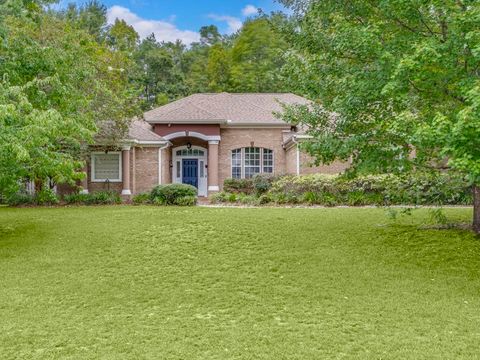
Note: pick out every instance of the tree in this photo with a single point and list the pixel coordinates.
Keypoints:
(256, 58)
(122, 37)
(209, 35)
(400, 77)
(91, 17)
(58, 86)
(159, 69)
(218, 68)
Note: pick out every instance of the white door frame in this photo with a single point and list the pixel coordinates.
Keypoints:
(202, 167)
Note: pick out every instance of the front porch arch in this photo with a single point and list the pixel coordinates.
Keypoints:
(194, 134)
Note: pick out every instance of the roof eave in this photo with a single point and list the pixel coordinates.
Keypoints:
(257, 125)
(186, 121)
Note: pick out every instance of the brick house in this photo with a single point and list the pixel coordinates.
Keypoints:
(202, 140)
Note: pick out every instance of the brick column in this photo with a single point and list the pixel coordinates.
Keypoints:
(213, 166)
(84, 183)
(126, 170)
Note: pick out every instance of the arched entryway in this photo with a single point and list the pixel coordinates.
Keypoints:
(189, 166)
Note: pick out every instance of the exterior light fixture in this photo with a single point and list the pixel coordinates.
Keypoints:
(189, 145)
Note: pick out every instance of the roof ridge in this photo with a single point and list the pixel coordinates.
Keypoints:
(187, 100)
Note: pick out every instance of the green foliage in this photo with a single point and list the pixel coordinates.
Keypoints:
(174, 194)
(185, 201)
(143, 198)
(217, 198)
(76, 198)
(400, 77)
(257, 57)
(248, 61)
(329, 190)
(19, 199)
(122, 37)
(239, 186)
(55, 92)
(94, 198)
(262, 183)
(45, 197)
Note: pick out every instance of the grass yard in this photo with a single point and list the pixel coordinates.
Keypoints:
(217, 283)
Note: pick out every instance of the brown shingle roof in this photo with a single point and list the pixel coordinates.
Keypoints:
(142, 132)
(222, 107)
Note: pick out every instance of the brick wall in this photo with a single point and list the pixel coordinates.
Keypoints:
(234, 138)
(306, 162)
(146, 169)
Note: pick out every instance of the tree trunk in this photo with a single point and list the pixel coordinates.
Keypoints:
(476, 209)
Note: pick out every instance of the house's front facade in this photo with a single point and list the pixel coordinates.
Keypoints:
(202, 140)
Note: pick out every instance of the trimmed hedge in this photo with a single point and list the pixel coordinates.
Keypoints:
(331, 190)
(174, 194)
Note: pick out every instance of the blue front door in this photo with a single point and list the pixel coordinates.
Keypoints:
(190, 172)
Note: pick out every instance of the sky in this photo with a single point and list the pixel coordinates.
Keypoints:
(181, 19)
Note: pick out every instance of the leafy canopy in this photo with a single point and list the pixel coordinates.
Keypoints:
(58, 85)
(399, 76)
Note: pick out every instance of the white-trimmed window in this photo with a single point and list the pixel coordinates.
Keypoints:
(249, 161)
(107, 167)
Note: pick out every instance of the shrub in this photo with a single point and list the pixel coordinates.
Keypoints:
(46, 196)
(330, 190)
(167, 194)
(143, 198)
(104, 198)
(356, 198)
(186, 201)
(408, 189)
(311, 198)
(236, 186)
(262, 183)
(76, 198)
(218, 197)
(95, 198)
(264, 199)
(20, 199)
(43, 197)
(246, 199)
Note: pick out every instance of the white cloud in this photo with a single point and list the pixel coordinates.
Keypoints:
(163, 30)
(234, 24)
(249, 10)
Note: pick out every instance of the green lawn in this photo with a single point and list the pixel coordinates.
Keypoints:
(213, 283)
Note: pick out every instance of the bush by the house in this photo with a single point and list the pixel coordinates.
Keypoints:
(244, 186)
(262, 183)
(381, 190)
(142, 198)
(44, 197)
(75, 198)
(94, 198)
(174, 194)
(185, 201)
(20, 199)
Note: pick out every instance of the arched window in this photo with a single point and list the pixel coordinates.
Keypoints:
(249, 161)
